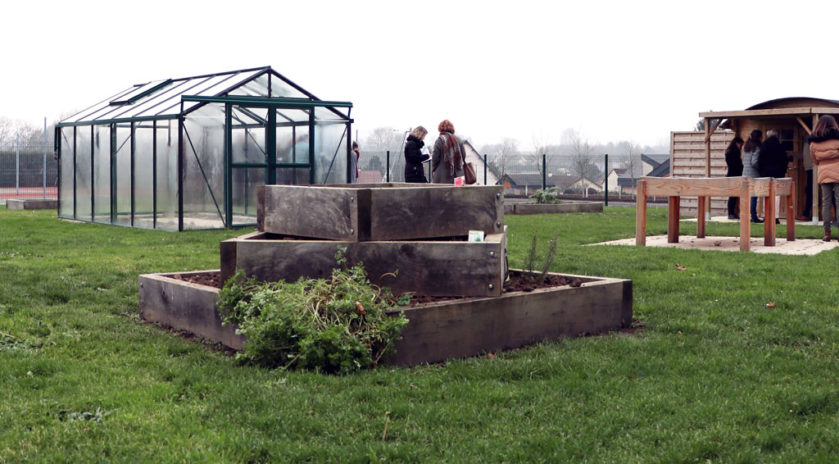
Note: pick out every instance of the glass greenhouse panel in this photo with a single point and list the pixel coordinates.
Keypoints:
(255, 88)
(289, 115)
(122, 189)
(65, 207)
(167, 174)
(325, 114)
(280, 88)
(293, 176)
(245, 182)
(293, 144)
(84, 178)
(161, 100)
(203, 172)
(102, 174)
(331, 154)
(83, 115)
(143, 175)
(248, 134)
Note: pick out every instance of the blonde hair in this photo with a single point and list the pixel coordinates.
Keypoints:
(419, 132)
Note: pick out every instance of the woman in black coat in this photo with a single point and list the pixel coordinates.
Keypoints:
(735, 169)
(414, 171)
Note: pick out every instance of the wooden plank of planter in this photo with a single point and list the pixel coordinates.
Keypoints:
(410, 213)
(437, 331)
(309, 211)
(185, 306)
(469, 327)
(387, 212)
(434, 268)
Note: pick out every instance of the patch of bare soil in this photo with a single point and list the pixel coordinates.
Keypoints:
(517, 282)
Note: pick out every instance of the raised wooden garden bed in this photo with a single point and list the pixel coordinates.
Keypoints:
(438, 330)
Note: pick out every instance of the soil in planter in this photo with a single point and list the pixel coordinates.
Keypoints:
(516, 283)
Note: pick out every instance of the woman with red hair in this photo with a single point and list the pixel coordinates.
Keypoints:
(447, 157)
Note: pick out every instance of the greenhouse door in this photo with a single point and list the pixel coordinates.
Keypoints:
(264, 147)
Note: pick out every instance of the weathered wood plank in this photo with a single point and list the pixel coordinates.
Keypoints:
(434, 268)
(186, 306)
(437, 332)
(387, 212)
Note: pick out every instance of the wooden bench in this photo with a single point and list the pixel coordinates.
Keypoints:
(703, 188)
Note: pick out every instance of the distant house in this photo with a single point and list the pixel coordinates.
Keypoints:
(650, 162)
(370, 177)
(653, 166)
(613, 177)
(524, 183)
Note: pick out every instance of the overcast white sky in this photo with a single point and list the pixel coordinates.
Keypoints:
(612, 70)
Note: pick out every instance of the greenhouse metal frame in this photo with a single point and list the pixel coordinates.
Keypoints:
(189, 153)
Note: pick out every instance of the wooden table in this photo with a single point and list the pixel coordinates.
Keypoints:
(703, 188)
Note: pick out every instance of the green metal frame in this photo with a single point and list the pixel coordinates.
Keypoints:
(157, 98)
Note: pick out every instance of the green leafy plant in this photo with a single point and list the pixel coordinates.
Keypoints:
(337, 325)
(546, 196)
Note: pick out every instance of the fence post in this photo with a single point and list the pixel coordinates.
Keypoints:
(387, 163)
(45, 159)
(606, 181)
(544, 171)
(17, 164)
(485, 168)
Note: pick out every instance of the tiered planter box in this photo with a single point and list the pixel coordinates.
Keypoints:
(436, 331)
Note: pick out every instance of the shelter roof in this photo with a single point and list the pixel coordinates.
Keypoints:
(780, 107)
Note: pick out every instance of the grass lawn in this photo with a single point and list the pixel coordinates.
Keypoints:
(713, 374)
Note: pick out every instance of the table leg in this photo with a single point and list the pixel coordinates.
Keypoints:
(745, 216)
(673, 219)
(791, 216)
(700, 220)
(769, 225)
(641, 213)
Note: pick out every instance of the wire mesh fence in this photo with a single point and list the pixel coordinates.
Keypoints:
(572, 176)
(27, 171)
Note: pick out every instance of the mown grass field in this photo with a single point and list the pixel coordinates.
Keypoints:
(711, 375)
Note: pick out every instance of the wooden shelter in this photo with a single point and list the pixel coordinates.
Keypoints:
(793, 118)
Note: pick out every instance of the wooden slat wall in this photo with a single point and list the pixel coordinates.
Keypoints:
(687, 159)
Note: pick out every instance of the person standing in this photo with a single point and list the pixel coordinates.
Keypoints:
(414, 157)
(808, 189)
(354, 162)
(824, 150)
(773, 160)
(735, 169)
(751, 154)
(447, 158)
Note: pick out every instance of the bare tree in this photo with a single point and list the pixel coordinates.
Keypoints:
(582, 162)
(501, 155)
(633, 165)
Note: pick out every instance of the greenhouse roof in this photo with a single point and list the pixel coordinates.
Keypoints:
(170, 98)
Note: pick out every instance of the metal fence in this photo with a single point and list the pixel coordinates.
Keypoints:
(27, 171)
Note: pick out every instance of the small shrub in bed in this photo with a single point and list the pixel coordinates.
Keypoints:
(336, 326)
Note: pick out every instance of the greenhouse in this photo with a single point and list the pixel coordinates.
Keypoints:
(189, 153)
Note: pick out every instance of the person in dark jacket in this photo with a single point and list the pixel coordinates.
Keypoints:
(414, 157)
(773, 159)
(735, 169)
